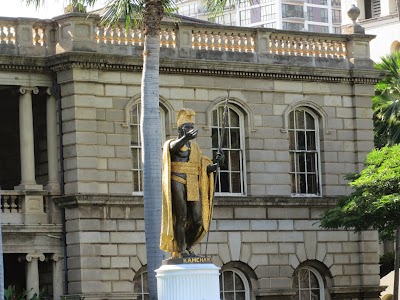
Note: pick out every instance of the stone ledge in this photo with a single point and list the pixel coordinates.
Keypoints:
(235, 201)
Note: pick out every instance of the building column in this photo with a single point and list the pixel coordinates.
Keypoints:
(27, 152)
(32, 273)
(57, 273)
(51, 123)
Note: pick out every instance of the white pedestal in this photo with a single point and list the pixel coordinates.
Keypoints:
(188, 282)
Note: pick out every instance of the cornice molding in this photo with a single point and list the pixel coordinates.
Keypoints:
(69, 61)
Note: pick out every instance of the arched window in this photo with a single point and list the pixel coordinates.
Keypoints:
(231, 177)
(234, 285)
(136, 146)
(308, 284)
(304, 152)
(140, 284)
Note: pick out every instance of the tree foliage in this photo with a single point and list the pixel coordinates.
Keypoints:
(386, 103)
(375, 201)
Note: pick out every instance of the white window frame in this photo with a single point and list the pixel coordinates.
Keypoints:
(317, 151)
(138, 146)
(241, 152)
(141, 295)
(319, 279)
(241, 276)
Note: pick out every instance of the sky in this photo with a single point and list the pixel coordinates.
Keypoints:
(51, 8)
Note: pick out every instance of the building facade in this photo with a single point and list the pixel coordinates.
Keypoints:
(312, 15)
(379, 18)
(299, 120)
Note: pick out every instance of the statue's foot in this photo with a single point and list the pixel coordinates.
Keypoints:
(185, 253)
(176, 255)
(191, 253)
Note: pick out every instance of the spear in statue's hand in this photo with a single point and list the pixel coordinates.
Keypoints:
(219, 157)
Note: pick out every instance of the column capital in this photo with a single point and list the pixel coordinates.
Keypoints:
(32, 256)
(55, 257)
(30, 89)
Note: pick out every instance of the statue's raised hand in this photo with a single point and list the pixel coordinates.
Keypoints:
(191, 134)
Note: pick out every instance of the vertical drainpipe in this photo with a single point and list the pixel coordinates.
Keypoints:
(57, 93)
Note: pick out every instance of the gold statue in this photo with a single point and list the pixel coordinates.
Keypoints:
(188, 190)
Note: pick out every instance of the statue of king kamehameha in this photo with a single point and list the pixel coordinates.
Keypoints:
(187, 188)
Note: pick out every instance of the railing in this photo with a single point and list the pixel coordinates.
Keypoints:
(73, 32)
(23, 207)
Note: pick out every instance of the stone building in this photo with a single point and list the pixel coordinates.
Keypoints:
(299, 120)
(380, 18)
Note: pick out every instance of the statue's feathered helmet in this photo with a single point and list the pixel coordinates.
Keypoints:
(185, 115)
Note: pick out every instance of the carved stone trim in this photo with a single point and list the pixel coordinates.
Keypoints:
(31, 89)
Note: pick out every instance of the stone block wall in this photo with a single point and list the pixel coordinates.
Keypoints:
(106, 246)
(96, 133)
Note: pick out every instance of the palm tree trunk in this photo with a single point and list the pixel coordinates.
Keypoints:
(397, 266)
(151, 140)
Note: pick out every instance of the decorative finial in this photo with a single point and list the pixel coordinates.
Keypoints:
(353, 13)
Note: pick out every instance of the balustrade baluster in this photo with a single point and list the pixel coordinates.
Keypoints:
(210, 40)
(2, 203)
(2, 34)
(123, 35)
(14, 207)
(342, 49)
(107, 35)
(171, 38)
(162, 38)
(222, 41)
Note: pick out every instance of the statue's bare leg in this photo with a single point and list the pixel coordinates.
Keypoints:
(179, 211)
(195, 225)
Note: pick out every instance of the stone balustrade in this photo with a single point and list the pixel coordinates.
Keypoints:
(73, 32)
(23, 207)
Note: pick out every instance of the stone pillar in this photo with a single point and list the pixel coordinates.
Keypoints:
(32, 272)
(28, 181)
(57, 273)
(51, 112)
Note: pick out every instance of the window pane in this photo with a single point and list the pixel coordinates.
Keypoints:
(301, 140)
(214, 137)
(228, 281)
(310, 162)
(294, 183)
(313, 281)
(303, 184)
(292, 162)
(236, 184)
(305, 295)
(304, 278)
(214, 118)
(302, 164)
(312, 183)
(224, 178)
(229, 296)
(226, 138)
(234, 118)
(235, 160)
(239, 286)
(315, 294)
(311, 140)
(310, 121)
(225, 165)
(291, 120)
(235, 138)
(299, 119)
(240, 296)
(135, 135)
(292, 144)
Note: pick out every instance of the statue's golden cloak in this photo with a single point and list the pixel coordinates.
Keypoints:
(206, 190)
